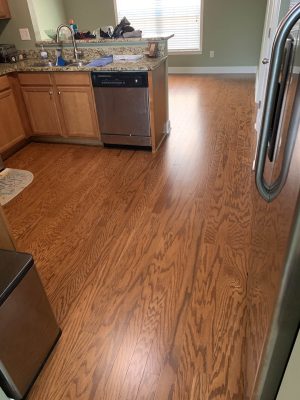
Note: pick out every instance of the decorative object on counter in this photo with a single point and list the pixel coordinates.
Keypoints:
(124, 28)
(12, 182)
(106, 32)
(84, 35)
(73, 26)
(152, 50)
(101, 62)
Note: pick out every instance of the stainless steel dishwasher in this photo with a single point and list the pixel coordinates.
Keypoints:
(122, 102)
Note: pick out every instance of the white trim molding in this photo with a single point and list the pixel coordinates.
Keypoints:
(212, 70)
(296, 70)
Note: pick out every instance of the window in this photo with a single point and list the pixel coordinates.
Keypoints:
(165, 17)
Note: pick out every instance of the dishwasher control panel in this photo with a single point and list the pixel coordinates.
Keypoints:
(120, 79)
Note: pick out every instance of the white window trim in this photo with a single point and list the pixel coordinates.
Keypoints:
(178, 52)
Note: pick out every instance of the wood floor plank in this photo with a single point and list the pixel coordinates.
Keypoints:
(143, 256)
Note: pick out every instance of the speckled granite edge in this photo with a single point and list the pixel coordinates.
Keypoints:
(109, 41)
(90, 53)
(144, 64)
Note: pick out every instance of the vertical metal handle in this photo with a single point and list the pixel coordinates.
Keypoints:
(276, 187)
(270, 192)
(285, 73)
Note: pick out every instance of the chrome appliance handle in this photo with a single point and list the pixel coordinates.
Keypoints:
(276, 187)
(270, 192)
(285, 72)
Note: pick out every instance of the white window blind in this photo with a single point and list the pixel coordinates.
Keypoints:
(165, 17)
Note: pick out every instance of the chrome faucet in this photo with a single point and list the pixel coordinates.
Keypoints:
(75, 49)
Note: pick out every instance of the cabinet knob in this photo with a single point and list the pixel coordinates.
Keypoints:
(59, 92)
(50, 92)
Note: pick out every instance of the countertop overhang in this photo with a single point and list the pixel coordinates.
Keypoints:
(112, 41)
(145, 64)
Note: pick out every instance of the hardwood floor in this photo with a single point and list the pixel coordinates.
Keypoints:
(143, 256)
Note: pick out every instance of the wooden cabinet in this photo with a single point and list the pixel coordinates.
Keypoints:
(4, 10)
(11, 128)
(77, 104)
(78, 111)
(42, 110)
(60, 103)
(41, 104)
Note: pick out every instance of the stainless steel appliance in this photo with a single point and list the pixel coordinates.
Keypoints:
(122, 102)
(28, 329)
(1, 164)
(274, 268)
(8, 53)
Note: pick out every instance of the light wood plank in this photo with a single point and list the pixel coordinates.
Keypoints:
(143, 256)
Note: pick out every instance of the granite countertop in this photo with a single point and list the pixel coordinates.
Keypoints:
(7, 68)
(107, 41)
(145, 64)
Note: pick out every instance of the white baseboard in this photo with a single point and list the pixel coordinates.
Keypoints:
(212, 70)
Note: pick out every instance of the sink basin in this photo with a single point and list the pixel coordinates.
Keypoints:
(78, 63)
(53, 64)
(44, 64)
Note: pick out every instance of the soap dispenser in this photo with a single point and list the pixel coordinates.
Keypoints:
(44, 54)
(59, 58)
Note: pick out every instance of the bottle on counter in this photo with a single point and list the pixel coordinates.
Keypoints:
(73, 26)
(59, 58)
(44, 54)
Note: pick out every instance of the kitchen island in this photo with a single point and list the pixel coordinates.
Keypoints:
(35, 65)
(56, 103)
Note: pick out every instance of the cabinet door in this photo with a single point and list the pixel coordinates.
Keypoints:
(78, 111)
(41, 106)
(11, 128)
(4, 10)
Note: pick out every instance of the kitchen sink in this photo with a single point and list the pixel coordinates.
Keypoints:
(53, 64)
(79, 64)
(44, 64)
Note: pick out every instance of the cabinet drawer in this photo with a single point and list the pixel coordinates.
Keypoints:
(72, 78)
(35, 78)
(4, 83)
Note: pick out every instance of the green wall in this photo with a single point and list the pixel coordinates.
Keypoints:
(9, 29)
(232, 28)
(92, 15)
(48, 15)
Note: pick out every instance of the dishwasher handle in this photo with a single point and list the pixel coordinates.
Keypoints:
(120, 79)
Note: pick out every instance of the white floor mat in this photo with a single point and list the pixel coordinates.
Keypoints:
(12, 182)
